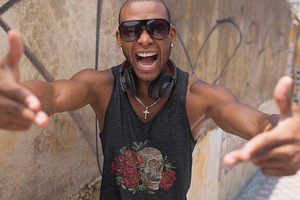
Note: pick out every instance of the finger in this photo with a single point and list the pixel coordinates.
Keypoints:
(15, 127)
(283, 152)
(270, 162)
(233, 158)
(15, 109)
(8, 122)
(41, 119)
(16, 48)
(258, 147)
(276, 172)
(265, 143)
(25, 96)
(20, 94)
(6, 119)
(18, 111)
(32, 102)
(281, 96)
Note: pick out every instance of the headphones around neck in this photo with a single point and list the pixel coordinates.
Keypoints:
(159, 87)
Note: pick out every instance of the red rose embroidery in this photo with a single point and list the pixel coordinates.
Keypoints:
(130, 166)
(133, 159)
(131, 177)
(168, 179)
(119, 165)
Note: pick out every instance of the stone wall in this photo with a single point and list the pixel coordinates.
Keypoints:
(240, 44)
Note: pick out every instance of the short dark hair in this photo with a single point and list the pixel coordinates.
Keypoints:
(127, 2)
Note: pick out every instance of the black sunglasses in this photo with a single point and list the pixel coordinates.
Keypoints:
(156, 28)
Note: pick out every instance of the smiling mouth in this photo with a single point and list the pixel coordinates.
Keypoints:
(147, 60)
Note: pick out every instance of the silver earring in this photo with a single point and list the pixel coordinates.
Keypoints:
(121, 49)
(172, 45)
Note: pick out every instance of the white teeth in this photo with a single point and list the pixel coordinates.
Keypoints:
(146, 66)
(144, 55)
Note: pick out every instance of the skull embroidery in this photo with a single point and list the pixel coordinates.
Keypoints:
(151, 168)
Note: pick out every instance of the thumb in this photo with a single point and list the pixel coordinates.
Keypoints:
(281, 96)
(14, 54)
(16, 48)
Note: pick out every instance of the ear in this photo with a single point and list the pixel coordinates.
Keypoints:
(173, 34)
(118, 37)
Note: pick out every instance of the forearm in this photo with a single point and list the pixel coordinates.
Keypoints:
(61, 95)
(243, 120)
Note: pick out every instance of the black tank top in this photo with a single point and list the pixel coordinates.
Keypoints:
(150, 160)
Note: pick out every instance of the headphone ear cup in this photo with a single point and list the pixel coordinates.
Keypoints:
(130, 82)
(160, 87)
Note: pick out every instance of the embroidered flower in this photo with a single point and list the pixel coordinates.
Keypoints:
(131, 177)
(168, 179)
(133, 159)
(119, 165)
(138, 169)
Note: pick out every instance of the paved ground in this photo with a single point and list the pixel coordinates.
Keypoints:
(259, 188)
(270, 188)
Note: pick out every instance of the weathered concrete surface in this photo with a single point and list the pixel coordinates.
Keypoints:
(240, 44)
(54, 162)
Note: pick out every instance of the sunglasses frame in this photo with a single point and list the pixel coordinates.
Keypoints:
(144, 23)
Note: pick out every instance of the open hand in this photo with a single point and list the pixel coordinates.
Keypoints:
(19, 107)
(276, 152)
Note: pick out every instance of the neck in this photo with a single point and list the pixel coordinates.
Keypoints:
(142, 88)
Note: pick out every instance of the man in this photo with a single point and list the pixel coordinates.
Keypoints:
(150, 112)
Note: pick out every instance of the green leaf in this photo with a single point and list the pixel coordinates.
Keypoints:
(143, 144)
(169, 166)
(123, 186)
(123, 151)
(142, 187)
(119, 180)
(135, 146)
(139, 147)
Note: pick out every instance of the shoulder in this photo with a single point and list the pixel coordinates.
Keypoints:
(99, 82)
(201, 88)
(91, 75)
(95, 79)
(207, 96)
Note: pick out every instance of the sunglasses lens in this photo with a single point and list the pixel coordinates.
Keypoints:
(130, 30)
(158, 28)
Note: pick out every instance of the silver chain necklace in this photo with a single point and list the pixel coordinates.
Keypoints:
(146, 112)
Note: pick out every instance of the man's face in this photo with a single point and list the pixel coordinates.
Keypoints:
(147, 56)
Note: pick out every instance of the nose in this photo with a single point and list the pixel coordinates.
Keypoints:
(145, 39)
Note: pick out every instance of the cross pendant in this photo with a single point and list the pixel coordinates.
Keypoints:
(146, 112)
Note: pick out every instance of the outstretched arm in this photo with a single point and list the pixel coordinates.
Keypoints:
(206, 101)
(22, 104)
